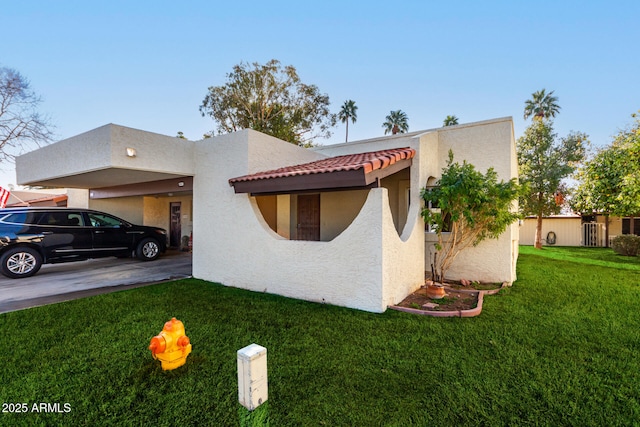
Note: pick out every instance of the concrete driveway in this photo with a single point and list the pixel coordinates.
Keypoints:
(63, 282)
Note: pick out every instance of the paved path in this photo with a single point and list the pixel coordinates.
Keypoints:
(62, 282)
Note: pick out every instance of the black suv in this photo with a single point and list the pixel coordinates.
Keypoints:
(30, 237)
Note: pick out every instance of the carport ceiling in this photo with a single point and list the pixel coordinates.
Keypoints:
(109, 177)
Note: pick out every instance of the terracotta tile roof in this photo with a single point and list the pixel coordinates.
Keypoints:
(46, 200)
(368, 162)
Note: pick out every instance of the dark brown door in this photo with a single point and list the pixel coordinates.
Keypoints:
(175, 228)
(309, 217)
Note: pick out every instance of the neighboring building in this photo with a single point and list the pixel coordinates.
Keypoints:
(617, 225)
(338, 224)
(576, 230)
(30, 198)
(46, 198)
(558, 230)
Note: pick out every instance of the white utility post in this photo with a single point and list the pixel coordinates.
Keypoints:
(252, 376)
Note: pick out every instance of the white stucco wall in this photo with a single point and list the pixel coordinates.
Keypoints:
(367, 267)
(104, 148)
(64, 157)
(77, 198)
(403, 256)
(485, 144)
(488, 262)
(154, 152)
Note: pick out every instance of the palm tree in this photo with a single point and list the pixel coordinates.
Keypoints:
(450, 121)
(348, 111)
(397, 122)
(541, 105)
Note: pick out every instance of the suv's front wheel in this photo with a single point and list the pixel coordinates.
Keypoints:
(20, 262)
(148, 249)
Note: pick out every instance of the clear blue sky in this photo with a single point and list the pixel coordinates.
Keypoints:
(147, 64)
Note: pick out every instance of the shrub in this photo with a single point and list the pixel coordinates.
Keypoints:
(626, 244)
(472, 207)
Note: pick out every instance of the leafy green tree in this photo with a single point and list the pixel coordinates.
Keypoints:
(271, 99)
(450, 121)
(472, 207)
(541, 106)
(544, 162)
(348, 111)
(396, 122)
(21, 126)
(609, 183)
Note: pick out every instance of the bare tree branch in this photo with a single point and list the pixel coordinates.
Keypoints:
(22, 128)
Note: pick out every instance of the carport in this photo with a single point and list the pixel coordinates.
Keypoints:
(142, 177)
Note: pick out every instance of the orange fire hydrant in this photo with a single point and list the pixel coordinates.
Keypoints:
(171, 346)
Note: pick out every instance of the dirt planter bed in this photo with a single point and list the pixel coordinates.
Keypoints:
(472, 312)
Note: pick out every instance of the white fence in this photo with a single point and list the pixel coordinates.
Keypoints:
(593, 234)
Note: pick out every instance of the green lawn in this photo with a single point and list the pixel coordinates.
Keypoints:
(561, 347)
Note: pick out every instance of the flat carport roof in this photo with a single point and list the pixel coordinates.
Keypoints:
(107, 156)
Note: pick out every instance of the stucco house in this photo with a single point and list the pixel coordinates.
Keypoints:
(338, 224)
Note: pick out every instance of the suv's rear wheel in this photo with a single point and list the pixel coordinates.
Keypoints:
(148, 249)
(20, 262)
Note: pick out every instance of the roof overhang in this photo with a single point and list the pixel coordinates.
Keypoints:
(166, 187)
(107, 156)
(355, 171)
(107, 177)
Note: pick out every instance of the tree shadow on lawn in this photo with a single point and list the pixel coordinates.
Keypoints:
(603, 257)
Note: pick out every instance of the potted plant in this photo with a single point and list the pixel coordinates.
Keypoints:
(435, 290)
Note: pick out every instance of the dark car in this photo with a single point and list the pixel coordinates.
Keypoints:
(30, 237)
